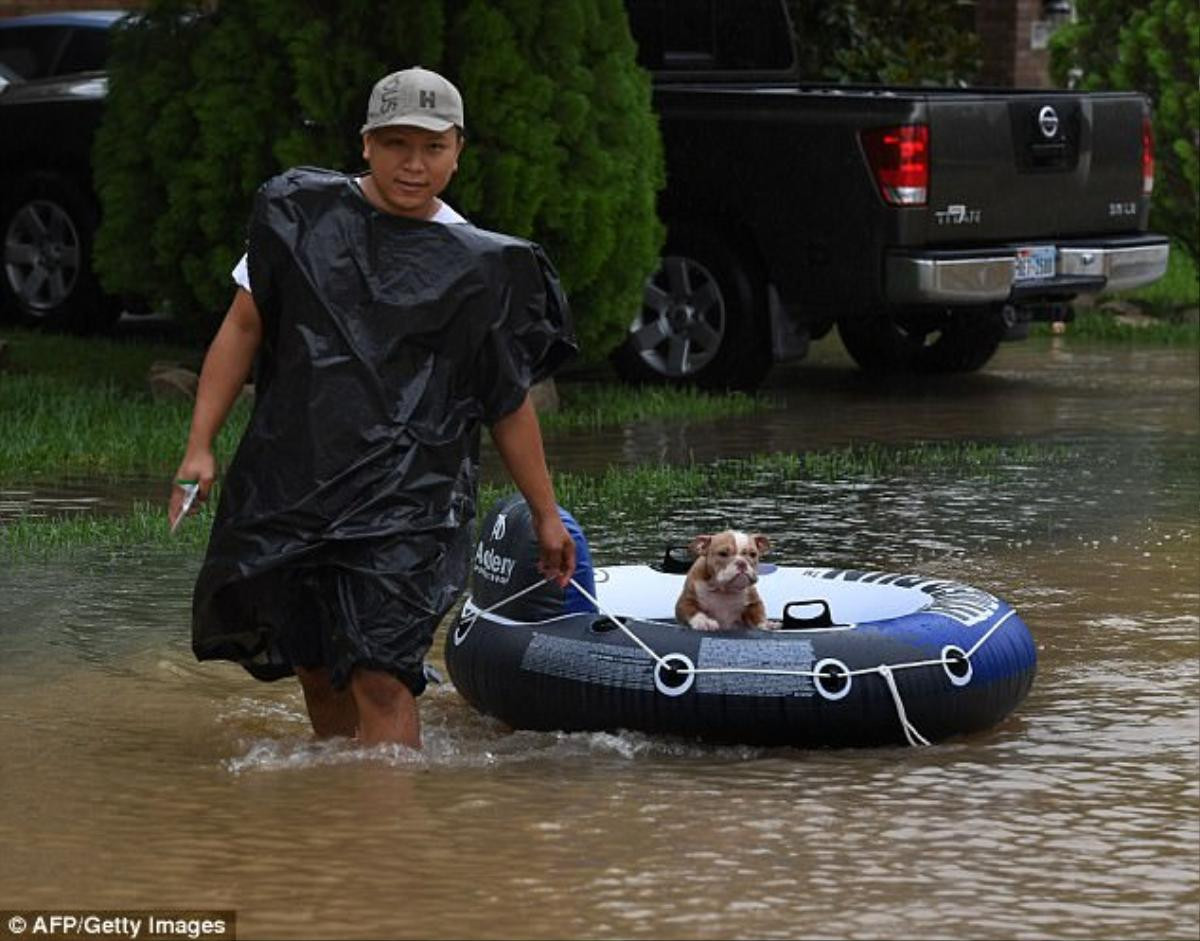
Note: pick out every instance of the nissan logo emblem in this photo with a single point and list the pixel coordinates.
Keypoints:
(1048, 121)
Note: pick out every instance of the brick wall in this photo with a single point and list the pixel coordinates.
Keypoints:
(1032, 68)
(996, 24)
(1013, 34)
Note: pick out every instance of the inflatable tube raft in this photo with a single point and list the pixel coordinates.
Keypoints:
(862, 658)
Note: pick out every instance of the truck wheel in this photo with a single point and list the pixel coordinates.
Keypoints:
(47, 227)
(701, 322)
(948, 341)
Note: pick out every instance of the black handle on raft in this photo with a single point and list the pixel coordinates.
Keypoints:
(677, 560)
(824, 619)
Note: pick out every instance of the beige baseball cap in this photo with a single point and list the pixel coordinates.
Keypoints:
(416, 97)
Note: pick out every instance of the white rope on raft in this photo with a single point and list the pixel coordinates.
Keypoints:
(910, 731)
(474, 615)
(885, 670)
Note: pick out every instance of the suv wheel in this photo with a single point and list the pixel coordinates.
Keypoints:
(46, 280)
(949, 341)
(701, 320)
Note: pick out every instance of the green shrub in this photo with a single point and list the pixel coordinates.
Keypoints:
(1152, 46)
(563, 147)
(147, 129)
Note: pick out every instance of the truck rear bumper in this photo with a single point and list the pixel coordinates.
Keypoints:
(989, 275)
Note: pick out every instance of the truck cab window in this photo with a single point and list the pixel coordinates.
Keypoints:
(673, 34)
(708, 35)
(754, 35)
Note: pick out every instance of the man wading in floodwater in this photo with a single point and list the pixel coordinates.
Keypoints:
(387, 331)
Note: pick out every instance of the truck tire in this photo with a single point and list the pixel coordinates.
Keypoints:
(949, 341)
(46, 280)
(702, 322)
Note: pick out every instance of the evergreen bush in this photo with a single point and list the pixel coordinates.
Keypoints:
(562, 144)
(1152, 46)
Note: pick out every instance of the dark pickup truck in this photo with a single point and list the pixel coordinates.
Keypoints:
(927, 223)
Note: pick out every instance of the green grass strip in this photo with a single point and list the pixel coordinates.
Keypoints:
(637, 491)
(88, 361)
(1092, 324)
(55, 428)
(646, 489)
(143, 529)
(594, 406)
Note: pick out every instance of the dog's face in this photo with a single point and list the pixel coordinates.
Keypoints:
(718, 591)
(730, 558)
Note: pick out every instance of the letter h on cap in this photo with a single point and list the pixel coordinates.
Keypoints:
(427, 99)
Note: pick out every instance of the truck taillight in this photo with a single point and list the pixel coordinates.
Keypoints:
(899, 159)
(1147, 157)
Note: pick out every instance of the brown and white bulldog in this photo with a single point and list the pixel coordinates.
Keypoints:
(718, 592)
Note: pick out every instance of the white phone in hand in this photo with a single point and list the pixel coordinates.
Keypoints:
(190, 491)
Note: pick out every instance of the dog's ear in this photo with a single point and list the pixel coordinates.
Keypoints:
(761, 542)
(699, 545)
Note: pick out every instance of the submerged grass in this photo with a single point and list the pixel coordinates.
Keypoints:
(637, 491)
(647, 488)
(72, 407)
(143, 529)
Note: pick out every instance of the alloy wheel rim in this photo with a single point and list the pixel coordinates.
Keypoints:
(682, 322)
(41, 255)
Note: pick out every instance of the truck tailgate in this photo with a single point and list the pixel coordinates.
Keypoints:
(1025, 165)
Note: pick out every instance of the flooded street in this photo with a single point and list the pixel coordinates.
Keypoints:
(135, 778)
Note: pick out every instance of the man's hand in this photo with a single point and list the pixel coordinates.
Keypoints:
(518, 438)
(557, 555)
(200, 467)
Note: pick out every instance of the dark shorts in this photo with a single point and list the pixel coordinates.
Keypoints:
(337, 618)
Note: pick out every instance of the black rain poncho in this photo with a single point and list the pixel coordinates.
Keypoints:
(343, 528)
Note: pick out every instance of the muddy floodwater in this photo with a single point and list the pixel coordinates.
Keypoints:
(132, 777)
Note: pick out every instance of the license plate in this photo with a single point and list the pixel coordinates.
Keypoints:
(1035, 263)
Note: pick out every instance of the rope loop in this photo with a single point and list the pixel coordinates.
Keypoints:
(910, 731)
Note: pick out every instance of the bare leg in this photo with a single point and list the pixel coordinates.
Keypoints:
(387, 710)
(331, 711)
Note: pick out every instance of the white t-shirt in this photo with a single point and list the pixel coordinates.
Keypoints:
(445, 215)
